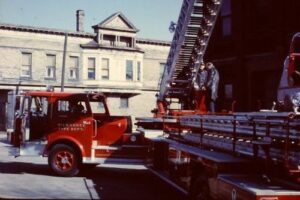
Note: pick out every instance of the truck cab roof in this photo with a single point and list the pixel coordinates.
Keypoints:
(62, 94)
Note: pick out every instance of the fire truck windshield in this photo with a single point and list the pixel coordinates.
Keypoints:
(97, 107)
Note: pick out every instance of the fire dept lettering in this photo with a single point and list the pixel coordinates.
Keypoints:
(71, 127)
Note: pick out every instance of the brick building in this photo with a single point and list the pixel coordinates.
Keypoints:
(111, 60)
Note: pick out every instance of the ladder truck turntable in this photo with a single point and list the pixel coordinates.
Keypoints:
(250, 155)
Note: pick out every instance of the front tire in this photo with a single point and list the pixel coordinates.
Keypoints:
(64, 160)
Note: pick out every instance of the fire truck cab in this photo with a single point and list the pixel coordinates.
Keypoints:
(74, 129)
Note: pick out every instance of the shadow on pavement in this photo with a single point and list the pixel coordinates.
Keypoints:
(22, 167)
(114, 183)
(109, 183)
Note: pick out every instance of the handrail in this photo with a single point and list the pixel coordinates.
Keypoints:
(96, 128)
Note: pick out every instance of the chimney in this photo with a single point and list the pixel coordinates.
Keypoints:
(80, 21)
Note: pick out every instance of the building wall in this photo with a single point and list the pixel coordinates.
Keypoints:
(153, 57)
(14, 43)
(117, 68)
(139, 105)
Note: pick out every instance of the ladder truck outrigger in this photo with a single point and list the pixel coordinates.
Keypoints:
(238, 155)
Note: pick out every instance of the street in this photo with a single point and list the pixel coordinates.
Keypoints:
(30, 178)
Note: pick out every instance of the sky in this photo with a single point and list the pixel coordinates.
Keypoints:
(151, 17)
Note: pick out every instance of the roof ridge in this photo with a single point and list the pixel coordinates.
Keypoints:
(45, 29)
(113, 16)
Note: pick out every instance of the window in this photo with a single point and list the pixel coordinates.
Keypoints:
(226, 18)
(66, 106)
(228, 91)
(105, 69)
(129, 70)
(74, 66)
(91, 68)
(294, 68)
(39, 106)
(109, 40)
(139, 71)
(25, 105)
(124, 102)
(97, 107)
(63, 106)
(50, 66)
(26, 65)
(125, 42)
(161, 69)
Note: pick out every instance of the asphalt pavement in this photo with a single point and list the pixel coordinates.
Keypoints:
(31, 178)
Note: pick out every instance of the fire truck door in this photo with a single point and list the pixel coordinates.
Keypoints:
(31, 146)
(72, 119)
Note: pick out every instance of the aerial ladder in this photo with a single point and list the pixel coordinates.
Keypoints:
(193, 30)
(238, 155)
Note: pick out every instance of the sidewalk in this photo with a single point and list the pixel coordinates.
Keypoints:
(30, 178)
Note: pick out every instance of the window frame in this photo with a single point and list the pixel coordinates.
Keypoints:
(50, 67)
(122, 105)
(91, 68)
(226, 19)
(28, 66)
(129, 72)
(139, 71)
(105, 68)
(74, 68)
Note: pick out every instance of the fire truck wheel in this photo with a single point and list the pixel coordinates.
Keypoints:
(64, 160)
(200, 189)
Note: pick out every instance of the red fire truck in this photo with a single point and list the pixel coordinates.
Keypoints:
(246, 156)
(74, 129)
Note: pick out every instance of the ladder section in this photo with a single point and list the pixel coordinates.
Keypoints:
(193, 30)
(270, 136)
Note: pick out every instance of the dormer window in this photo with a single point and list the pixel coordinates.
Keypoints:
(109, 40)
(125, 42)
(116, 31)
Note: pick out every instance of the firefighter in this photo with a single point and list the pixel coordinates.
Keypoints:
(77, 107)
(200, 89)
(212, 84)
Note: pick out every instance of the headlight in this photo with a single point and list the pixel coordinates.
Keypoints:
(133, 138)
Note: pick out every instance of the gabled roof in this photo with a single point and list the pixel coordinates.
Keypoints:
(118, 22)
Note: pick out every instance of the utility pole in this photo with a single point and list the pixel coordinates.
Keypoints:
(64, 64)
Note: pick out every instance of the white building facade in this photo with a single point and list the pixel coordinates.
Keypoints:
(111, 60)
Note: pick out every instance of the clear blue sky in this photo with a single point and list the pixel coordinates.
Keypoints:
(151, 17)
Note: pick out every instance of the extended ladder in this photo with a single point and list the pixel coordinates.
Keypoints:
(193, 30)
